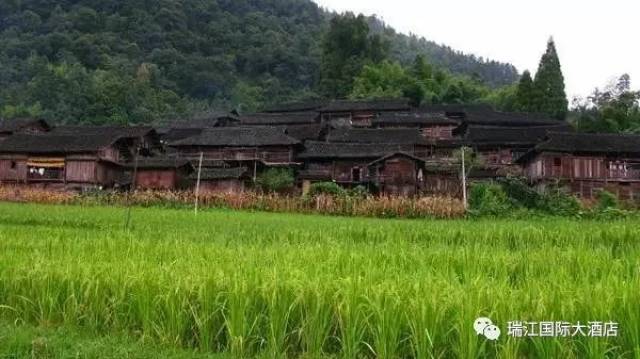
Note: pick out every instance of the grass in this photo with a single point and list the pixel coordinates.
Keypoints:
(24, 341)
(273, 285)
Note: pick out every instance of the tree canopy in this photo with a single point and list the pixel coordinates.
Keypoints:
(87, 61)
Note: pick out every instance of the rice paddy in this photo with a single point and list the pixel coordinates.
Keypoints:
(264, 285)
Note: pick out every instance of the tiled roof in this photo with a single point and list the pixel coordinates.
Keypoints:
(410, 136)
(413, 119)
(372, 105)
(17, 124)
(274, 119)
(56, 143)
(238, 137)
(509, 136)
(315, 149)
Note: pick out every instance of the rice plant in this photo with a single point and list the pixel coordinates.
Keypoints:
(299, 286)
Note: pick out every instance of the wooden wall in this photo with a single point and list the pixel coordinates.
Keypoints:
(13, 170)
(157, 179)
(81, 171)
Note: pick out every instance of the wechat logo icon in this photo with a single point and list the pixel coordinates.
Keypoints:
(485, 327)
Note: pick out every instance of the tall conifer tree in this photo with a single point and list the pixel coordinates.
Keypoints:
(549, 93)
(524, 94)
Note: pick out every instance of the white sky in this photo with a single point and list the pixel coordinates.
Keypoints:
(597, 40)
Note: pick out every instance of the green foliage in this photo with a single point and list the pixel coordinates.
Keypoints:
(346, 49)
(79, 61)
(421, 83)
(557, 201)
(326, 188)
(488, 199)
(549, 96)
(521, 193)
(276, 179)
(613, 109)
(607, 200)
(525, 94)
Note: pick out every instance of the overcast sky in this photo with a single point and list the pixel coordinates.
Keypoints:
(597, 40)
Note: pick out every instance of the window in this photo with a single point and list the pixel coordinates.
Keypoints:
(13, 165)
(557, 162)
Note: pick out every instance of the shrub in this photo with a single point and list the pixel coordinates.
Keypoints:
(521, 193)
(276, 180)
(557, 201)
(607, 200)
(488, 199)
(326, 188)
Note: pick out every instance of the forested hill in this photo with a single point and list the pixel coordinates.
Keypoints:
(137, 60)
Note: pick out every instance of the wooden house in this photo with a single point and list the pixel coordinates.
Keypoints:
(343, 113)
(433, 126)
(502, 146)
(586, 163)
(160, 173)
(62, 160)
(348, 164)
(255, 148)
(397, 174)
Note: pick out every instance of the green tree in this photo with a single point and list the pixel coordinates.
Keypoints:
(347, 47)
(549, 91)
(525, 93)
(616, 108)
(276, 180)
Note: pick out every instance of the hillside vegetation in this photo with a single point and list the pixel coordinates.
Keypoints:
(140, 60)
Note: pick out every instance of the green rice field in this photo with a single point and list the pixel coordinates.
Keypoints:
(227, 284)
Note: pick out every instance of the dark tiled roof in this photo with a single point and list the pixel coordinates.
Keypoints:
(151, 163)
(206, 119)
(351, 150)
(289, 118)
(414, 119)
(397, 154)
(238, 137)
(372, 105)
(175, 134)
(56, 143)
(17, 124)
(304, 132)
(591, 143)
(298, 106)
(116, 131)
(509, 136)
(219, 173)
(407, 136)
(586, 143)
(509, 119)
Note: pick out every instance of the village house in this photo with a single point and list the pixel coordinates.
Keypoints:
(344, 113)
(586, 163)
(385, 145)
(351, 164)
(255, 148)
(62, 160)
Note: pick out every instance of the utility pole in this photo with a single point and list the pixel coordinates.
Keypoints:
(198, 181)
(464, 181)
(133, 188)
